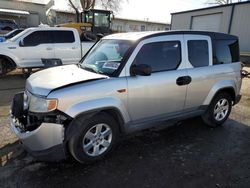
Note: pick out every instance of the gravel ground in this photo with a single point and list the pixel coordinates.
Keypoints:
(186, 155)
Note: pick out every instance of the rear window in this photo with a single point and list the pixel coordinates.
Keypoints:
(63, 37)
(227, 51)
(198, 53)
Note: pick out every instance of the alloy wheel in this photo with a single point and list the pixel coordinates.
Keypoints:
(97, 139)
(221, 109)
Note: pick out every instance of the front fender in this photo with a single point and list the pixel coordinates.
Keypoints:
(222, 84)
(98, 104)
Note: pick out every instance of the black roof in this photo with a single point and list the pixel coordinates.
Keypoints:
(212, 7)
(213, 35)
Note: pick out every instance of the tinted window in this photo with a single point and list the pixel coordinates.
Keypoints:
(63, 37)
(227, 51)
(161, 56)
(198, 53)
(38, 37)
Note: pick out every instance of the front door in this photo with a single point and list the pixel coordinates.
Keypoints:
(162, 93)
(36, 46)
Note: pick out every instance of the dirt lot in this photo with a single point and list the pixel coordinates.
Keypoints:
(185, 155)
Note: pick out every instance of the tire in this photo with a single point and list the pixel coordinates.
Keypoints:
(94, 139)
(3, 67)
(218, 110)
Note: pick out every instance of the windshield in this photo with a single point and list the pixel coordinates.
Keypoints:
(101, 19)
(13, 39)
(106, 57)
(12, 33)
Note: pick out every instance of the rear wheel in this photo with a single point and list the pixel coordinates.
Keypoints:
(95, 138)
(219, 110)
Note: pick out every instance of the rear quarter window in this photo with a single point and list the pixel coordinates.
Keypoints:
(227, 51)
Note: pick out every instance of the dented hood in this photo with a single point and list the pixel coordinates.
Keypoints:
(43, 82)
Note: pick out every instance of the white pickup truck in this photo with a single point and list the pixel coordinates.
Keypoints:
(29, 48)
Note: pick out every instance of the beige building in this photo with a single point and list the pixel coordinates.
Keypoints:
(232, 18)
(126, 25)
(26, 14)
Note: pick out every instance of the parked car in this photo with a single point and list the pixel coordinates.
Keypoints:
(28, 48)
(7, 25)
(10, 34)
(127, 82)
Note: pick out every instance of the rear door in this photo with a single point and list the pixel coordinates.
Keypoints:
(200, 68)
(67, 47)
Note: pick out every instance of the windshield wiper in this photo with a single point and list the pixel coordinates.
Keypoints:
(79, 65)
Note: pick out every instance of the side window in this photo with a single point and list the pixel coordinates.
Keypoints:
(198, 54)
(38, 37)
(63, 37)
(161, 56)
(227, 51)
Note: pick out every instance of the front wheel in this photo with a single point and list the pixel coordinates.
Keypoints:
(218, 110)
(95, 139)
(3, 67)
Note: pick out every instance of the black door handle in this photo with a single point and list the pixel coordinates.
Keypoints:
(183, 80)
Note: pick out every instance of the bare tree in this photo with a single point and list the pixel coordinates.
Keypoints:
(87, 4)
(222, 2)
(76, 10)
(113, 5)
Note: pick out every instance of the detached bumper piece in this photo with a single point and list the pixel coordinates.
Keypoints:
(42, 135)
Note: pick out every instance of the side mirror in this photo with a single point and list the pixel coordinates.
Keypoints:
(141, 69)
(21, 43)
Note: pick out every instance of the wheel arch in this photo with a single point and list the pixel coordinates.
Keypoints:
(230, 90)
(9, 59)
(112, 111)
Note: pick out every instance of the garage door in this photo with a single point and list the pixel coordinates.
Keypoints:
(209, 22)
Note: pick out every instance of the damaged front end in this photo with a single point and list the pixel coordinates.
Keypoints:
(41, 134)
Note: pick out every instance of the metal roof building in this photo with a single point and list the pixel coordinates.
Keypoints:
(231, 18)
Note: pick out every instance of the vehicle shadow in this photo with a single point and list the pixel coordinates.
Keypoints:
(189, 154)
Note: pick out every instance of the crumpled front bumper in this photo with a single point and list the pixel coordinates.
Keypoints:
(44, 143)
